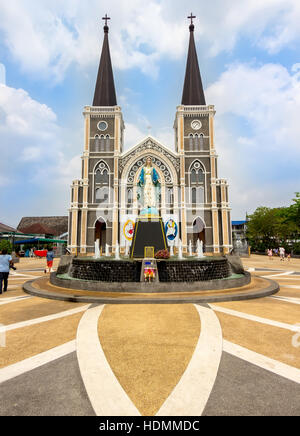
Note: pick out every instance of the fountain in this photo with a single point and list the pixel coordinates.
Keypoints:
(190, 249)
(97, 249)
(180, 257)
(117, 252)
(172, 250)
(200, 254)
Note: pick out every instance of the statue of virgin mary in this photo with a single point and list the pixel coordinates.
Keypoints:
(149, 186)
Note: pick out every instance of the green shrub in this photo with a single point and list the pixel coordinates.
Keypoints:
(5, 245)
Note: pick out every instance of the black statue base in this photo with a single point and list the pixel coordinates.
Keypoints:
(148, 232)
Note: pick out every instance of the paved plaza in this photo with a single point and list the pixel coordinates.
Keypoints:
(233, 358)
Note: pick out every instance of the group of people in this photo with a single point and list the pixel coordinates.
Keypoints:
(278, 252)
(6, 263)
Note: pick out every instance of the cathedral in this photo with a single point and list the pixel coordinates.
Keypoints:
(193, 202)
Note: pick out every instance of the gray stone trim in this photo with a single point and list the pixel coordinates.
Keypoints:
(270, 289)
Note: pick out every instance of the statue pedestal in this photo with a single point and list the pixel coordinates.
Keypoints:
(148, 232)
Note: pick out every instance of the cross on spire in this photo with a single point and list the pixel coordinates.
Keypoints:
(106, 18)
(191, 18)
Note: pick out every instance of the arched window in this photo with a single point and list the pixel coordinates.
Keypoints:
(98, 177)
(102, 143)
(197, 182)
(200, 176)
(201, 142)
(200, 195)
(194, 195)
(196, 142)
(101, 177)
(193, 176)
(97, 144)
(170, 196)
(129, 196)
(107, 143)
(101, 195)
(191, 140)
(105, 177)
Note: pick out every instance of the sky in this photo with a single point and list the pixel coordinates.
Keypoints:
(249, 58)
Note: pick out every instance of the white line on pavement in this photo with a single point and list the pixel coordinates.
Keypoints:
(287, 299)
(4, 301)
(290, 286)
(21, 276)
(30, 322)
(106, 395)
(31, 363)
(262, 361)
(293, 328)
(286, 278)
(191, 394)
(286, 273)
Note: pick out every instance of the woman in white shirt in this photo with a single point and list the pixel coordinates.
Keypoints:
(5, 264)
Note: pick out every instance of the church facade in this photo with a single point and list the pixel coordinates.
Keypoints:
(193, 200)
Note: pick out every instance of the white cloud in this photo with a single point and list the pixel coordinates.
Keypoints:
(133, 135)
(35, 158)
(262, 164)
(45, 39)
(2, 74)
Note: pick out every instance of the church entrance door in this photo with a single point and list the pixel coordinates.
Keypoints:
(198, 231)
(100, 234)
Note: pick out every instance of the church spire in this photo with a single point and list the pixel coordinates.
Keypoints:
(193, 94)
(105, 94)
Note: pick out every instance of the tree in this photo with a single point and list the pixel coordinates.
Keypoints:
(5, 245)
(261, 228)
(269, 228)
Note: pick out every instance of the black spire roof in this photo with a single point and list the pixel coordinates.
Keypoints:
(193, 94)
(105, 93)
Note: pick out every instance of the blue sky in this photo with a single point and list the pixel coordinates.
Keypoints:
(49, 54)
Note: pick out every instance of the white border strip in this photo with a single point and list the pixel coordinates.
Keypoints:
(286, 273)
(191, 394)
(4, 301)
(30, 322)
(287, 299)
(262, 361)
(282, 325)
(106, 395)
(34, 362)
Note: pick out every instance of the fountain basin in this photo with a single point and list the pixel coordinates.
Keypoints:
(109, 275)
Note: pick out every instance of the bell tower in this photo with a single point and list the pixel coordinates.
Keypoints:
(95, 198)
(205, 212)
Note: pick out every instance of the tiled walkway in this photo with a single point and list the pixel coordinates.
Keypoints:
(234, 358)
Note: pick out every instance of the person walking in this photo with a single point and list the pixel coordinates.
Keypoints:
(270, 253)
(282, 253)
(49, 257)
(5, 264)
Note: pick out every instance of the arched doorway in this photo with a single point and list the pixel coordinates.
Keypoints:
(198, 231)
(100, 233)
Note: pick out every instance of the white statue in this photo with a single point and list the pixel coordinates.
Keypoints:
(97, 249)
(107, 250)
(172, 250)
(148, 186)
(117, 253)
(180, 257)
(200, 249)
